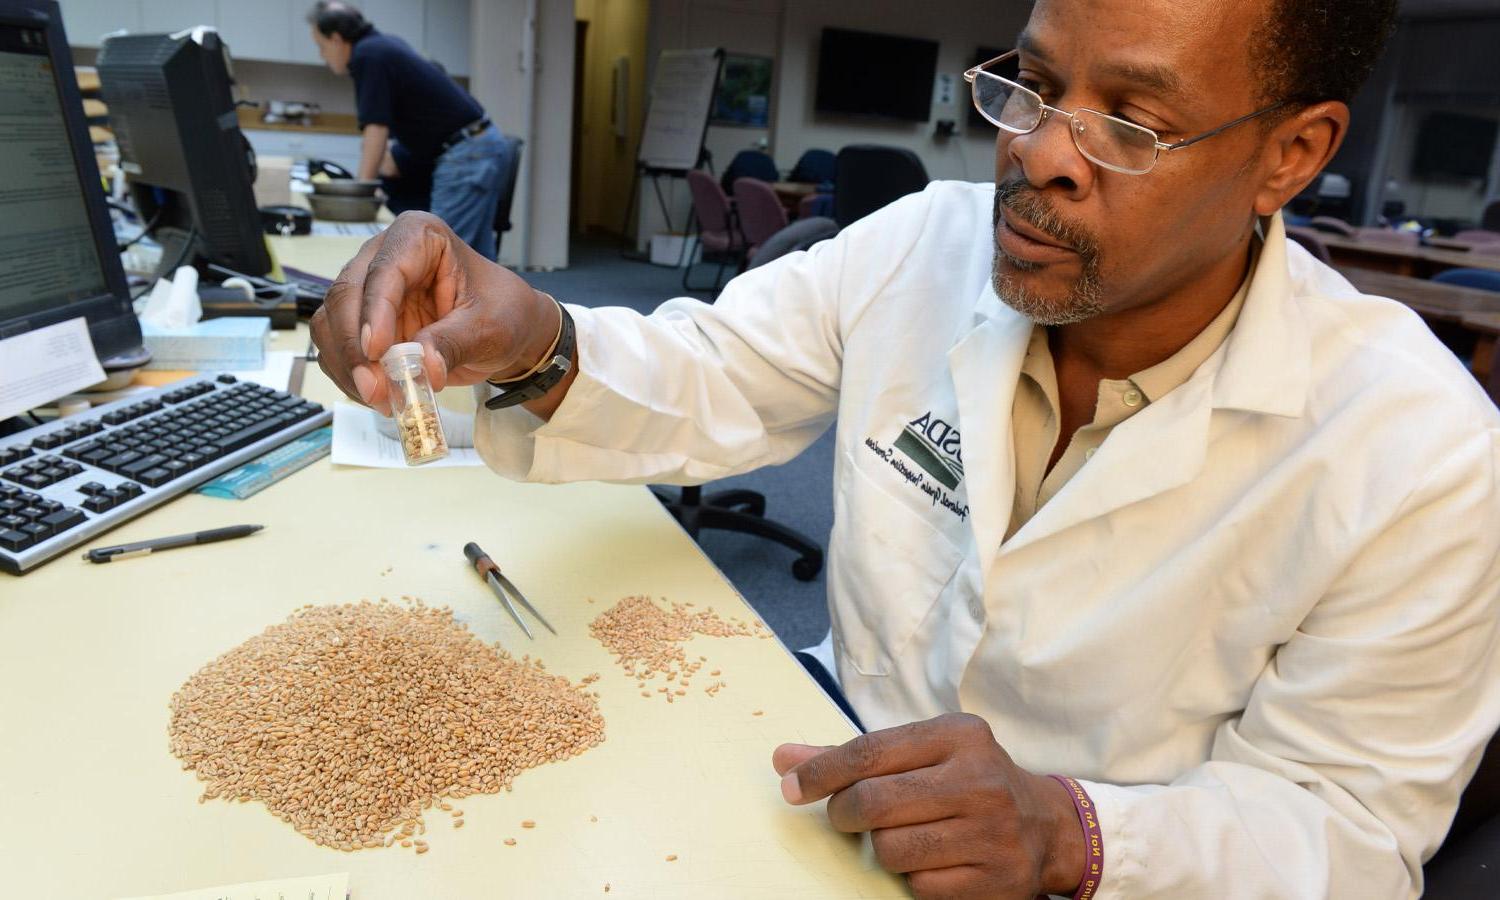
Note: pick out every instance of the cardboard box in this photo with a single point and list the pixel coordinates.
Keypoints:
(667, 250)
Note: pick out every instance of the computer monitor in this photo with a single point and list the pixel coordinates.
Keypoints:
(58, 256)
(191, 170)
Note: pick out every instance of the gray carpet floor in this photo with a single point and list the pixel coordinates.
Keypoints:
(798, 494)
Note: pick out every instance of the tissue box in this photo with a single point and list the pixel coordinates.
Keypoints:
(234, 343)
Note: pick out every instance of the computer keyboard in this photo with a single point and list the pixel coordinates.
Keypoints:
(65, 482)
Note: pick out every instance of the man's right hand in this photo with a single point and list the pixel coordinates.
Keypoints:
(418, 281)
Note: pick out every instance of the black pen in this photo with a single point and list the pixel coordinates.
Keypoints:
(141, 548)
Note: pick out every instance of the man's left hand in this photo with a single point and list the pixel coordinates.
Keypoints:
(945, 805)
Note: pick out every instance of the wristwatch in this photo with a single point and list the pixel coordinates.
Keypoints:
(543, 378)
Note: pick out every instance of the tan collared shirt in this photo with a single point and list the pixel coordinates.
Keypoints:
(1036, 415)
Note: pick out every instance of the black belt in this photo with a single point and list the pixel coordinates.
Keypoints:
(473, 129)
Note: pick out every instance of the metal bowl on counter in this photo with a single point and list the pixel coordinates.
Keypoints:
(345, 187)
(344, 209)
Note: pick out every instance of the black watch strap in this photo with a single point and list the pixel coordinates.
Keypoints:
(515, 392)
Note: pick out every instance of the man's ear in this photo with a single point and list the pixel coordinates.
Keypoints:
(1298, 149)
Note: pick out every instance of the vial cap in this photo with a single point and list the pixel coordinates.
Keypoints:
(403, 350)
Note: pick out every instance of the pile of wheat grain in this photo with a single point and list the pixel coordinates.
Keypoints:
(647, 641)
(348, 721)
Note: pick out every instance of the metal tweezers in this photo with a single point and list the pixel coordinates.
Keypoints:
(502, 587)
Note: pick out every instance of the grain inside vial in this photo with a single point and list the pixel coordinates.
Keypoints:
(348, 722)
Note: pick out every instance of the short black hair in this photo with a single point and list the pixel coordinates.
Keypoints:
(1310, 51)
(333, 17)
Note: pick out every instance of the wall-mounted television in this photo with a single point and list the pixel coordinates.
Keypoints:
(881, 75)
(1454, 145)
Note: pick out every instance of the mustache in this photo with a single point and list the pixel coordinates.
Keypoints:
(1026, 202)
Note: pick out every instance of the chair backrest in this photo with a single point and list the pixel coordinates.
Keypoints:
(1332, 225)
(870, 176)
(1478, 236)
(760, 211)
(710, 204)
(509, 167)
(799, 235)
(749, 164)
(1308, 238)
(814, 167)
(1388, 236)
(1483, 279)
(1491, 217)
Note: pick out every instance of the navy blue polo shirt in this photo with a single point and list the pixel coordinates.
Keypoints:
(417, 101)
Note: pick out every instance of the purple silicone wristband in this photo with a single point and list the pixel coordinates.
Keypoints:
(1093, 838)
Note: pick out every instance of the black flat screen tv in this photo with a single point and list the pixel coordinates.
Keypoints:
(1454, 145)
(879, 75)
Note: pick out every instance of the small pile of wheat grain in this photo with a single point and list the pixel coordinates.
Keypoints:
(349, 721)
(647, 640)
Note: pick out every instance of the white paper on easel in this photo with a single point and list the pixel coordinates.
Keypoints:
(316, 887)
(39, 366)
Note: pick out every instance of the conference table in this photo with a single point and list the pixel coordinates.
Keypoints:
(97, 807)
(1418, 261)
(1471, 309)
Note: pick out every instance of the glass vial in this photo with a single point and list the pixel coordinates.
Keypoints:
(413, 405)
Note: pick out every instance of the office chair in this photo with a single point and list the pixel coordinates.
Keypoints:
(814, 167)
(743, 511)
(759, 212)
(799, 235)
(1332, 226)
(1481, 279)
(749, 164)
(511, 167)
(869, 176)
(1309, 238)
(718, 231)
(1467, 865)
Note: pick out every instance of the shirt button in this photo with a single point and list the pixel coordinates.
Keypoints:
(1132, 398)
(976, 606)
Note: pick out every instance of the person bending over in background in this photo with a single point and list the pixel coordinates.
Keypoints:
(439, 127)
(1129, 487)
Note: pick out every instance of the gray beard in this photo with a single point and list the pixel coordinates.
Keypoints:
(1084, 300)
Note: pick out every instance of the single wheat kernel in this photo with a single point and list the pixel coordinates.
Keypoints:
(510, 842)
(528, 824)
(671, 857)
(758, 712)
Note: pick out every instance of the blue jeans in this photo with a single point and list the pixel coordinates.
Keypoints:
(466, 185)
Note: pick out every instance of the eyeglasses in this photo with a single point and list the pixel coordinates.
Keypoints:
(1104, 140)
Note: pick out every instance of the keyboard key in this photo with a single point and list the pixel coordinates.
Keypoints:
(49, 506)
(97, 504)
(175, 467)
(130, 489)
(55, 474)
(48, 441)
(15, 540)
(31, 512)
(8, 492)
(115, 496)
(35, 481)
(37, 531)
(10, 455)
(134, 468)
(63, 519)
(28, 498)
(12, 522)
(91, 488)
(120, 461)
(226, 378)
(154, 477)
(9, 507)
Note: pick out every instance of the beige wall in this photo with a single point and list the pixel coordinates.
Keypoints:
(606, 163)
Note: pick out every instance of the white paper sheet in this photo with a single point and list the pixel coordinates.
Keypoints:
(357, 440)
(317, 887)
(39, 366)
(277, 373)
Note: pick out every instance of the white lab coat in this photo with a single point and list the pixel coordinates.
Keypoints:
(1259, 624)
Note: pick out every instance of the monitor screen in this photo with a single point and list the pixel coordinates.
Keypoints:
(47, 247)
(58, 257)
(882, 75)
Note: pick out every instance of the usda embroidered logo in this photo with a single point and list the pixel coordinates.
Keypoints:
(928, 454)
